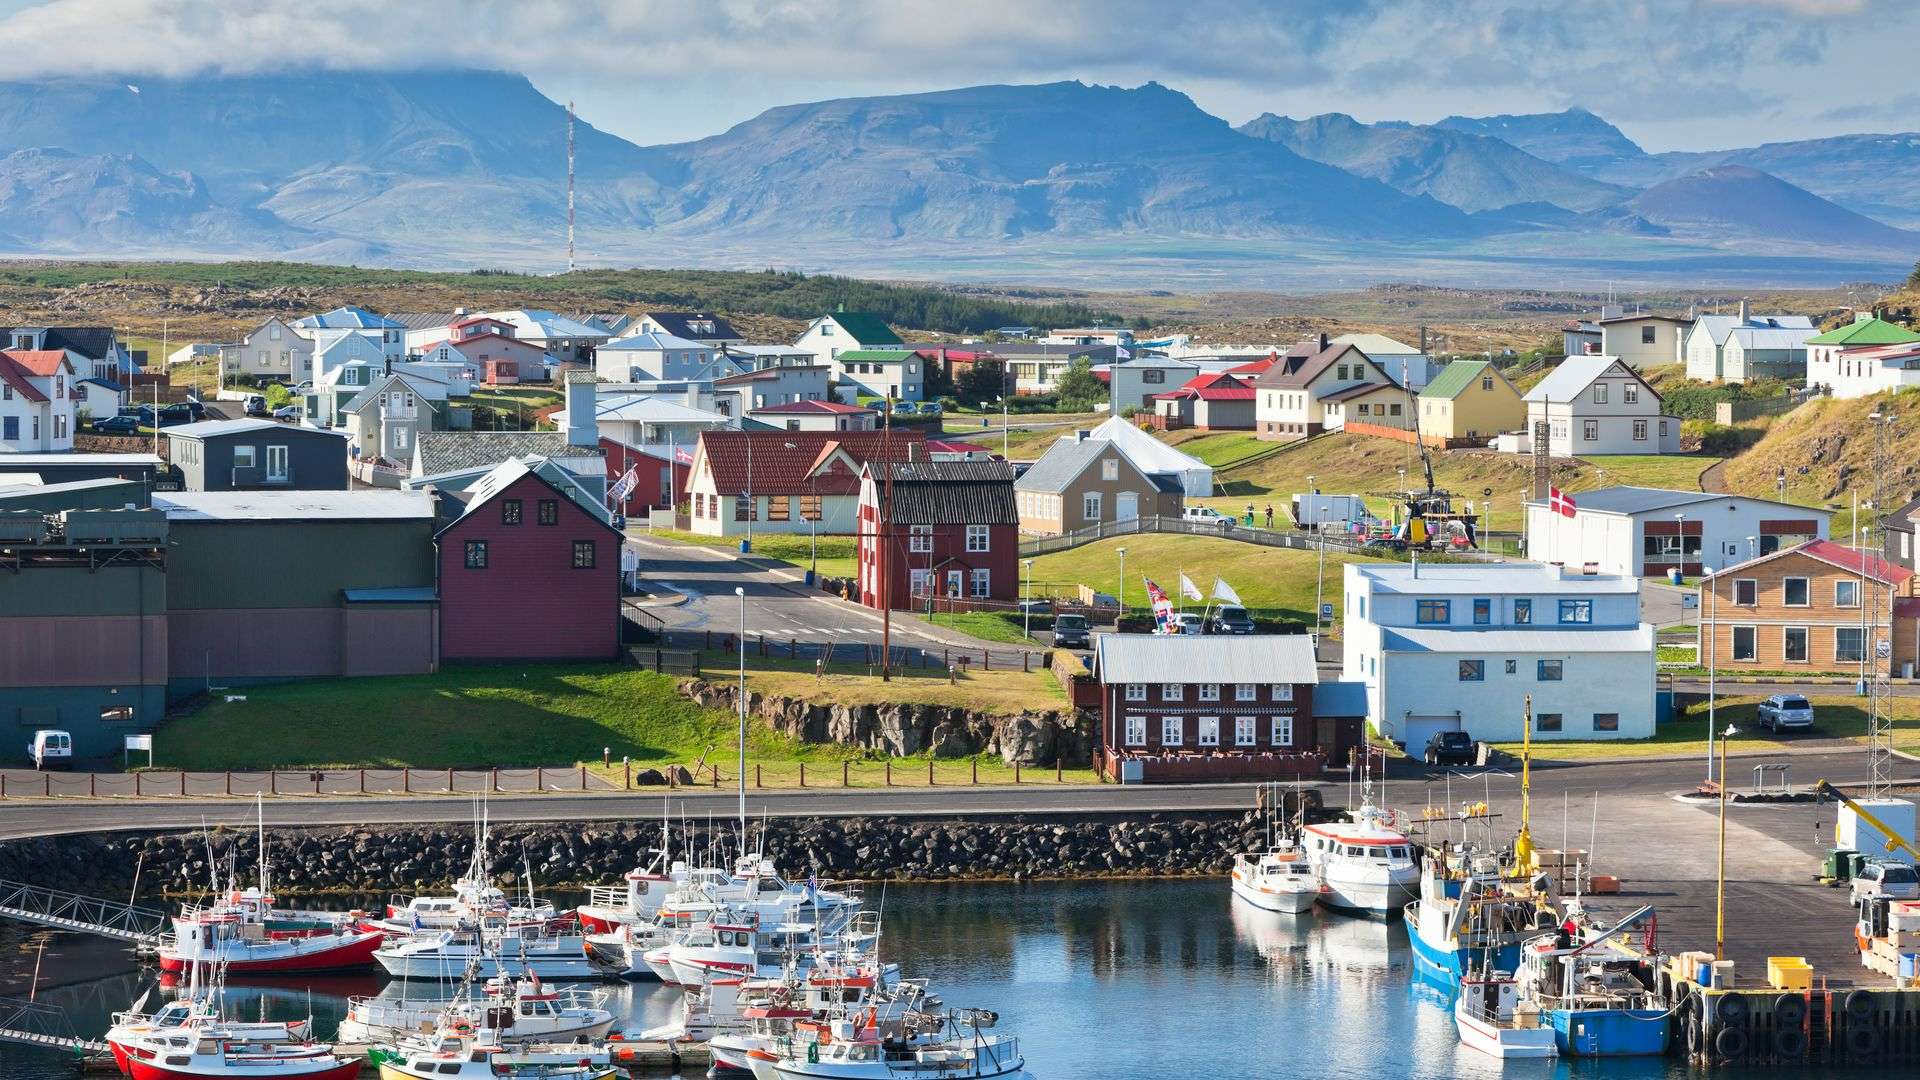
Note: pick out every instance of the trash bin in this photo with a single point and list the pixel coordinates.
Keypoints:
(746, 547)
(809, 579)
(1674, 576)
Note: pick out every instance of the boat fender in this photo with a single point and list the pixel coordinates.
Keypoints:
(1858, 1005)
(1731, 1010)
(813, 1053)
(1789, 1011)
(1730, 1043)
(1861, 1045)
(1696, 1037)
(1790, 1043)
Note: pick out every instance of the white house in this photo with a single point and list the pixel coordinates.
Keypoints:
(322, 329)
(1866, 356)
(846, 331)
(1460, 647)
(756, 357)
(1599, 405)
(1638, 532)
(815, 415)
(1773, 345)
(343, 365)
(1132, 384)
(37, 402)
(272, 350)
(1402, 362)
(701, 326)
(648, 421)
(568, 340)
(1117, 336)
(880, 373)
(1643, 340)
(652, 357)
(750, 390)
(385, 420)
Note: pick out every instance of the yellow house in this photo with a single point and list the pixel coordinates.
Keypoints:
(1382, 404)
(1469, 402)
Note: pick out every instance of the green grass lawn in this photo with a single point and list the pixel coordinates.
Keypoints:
(1224, 449)
(835, 552)
(1677, 471)
(990, 625)
(1274, 582)
(1835, 716)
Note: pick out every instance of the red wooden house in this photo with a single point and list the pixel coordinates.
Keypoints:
(660, 476)
(529, 569)
(955, 533)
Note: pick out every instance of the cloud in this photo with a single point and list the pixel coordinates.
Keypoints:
(1903, 109)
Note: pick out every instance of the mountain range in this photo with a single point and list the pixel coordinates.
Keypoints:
(426, 167)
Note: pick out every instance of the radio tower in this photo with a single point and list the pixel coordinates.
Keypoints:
(569, 187)
(1879, 724)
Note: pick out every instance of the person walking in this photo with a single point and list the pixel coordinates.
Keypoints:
(1269, 515)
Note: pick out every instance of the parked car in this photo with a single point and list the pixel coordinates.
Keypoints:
(1206, 515)
(930, 408)
(51, 749)
(1187, 622)
(256, 405)
(1384, 544)
(117, 425)
(1452, 748)
(1036, 607)
(1886, 877)
(1072, 632)
(1231, 619)
(1786, 712)
(287, 412)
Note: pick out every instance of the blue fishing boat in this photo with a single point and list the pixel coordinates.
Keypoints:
(1597, 994)
(1468, 910)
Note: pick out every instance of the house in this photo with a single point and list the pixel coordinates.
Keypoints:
(1035, 368)
(1643, 340)
(1115, 336)
(529, 569)
(95, 351)
(253, 455)
(867, 374)
(747, 482)
(389, 334)
(1461, 647)
(1368, 407)
(95, 398)
(569, 341)
(706, 328)
(1081, 482)
(1151, 455)
(342, 367)
(1134, 383)
(456, 460)
(1897, 535)
(490, 350)
(1818, 606)
(1468, 403)
(647, 420)
(816, 416)
(385, 421)
(1638, 532)
(1580, 338)
(941, 528)
(1598, 405)
(759, 357)
(1289, 403)
(1765, 345)
(274, 350)
(38, 405)
(196, 352)
(652, 356)
(847, 331)
(740, 394)
(1866, 356)
(1178, 708)
(1212, 402)
(1405, 364)
(659, 476)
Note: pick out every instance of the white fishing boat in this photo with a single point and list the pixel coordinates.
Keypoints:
(474, 898)
(509, 1012)
(194, 1053)
(739, 951)
(193, 1012)
(1366, 862)
(1282, 880)
(764, 1016)
(1492, 1019)
(468, 1057)
(491, 950)
(952, 1047)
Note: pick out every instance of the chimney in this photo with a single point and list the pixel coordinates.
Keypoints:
(1323, 341)
(1743, 311)
(460, 313)
(1081, 435)
(583, 425)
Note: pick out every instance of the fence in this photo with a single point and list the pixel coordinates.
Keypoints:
(1382, 431)
(1732, 412)
(1245, 534)
(666, 661)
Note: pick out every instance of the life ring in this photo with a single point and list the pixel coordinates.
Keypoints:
(1730, 1043)
(1789, 1011)
(1790, 1043)
(462, 1027)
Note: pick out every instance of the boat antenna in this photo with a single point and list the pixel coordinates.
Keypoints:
(260, 818)
(1523, 843)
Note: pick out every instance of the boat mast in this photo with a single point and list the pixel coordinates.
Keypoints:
(1523, 843)
(260, 819)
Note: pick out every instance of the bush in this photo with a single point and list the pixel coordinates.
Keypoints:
(1718, 439)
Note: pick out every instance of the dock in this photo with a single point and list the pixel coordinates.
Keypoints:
(638, 1057)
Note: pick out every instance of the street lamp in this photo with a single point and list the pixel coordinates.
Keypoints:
(1026, 608)
(1320, 572)
(1121, 596)
(741, 592)
(1720, 885)
(1712, 583)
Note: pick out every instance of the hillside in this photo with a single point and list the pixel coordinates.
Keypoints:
(1574, 137)
(1827, 449)
(1735, 201)
(54, 200)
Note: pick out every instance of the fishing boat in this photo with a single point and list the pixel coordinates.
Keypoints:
(490, 950)
(474, 898)
(236, 934)
(510, 1011)
(1282, 881)
(133, 1027)
(1365, 862)
(1492, 1019)
(192, 1053)
(763, 1014)
(952, 1046)
(741, 951)
(467, 1057)
(1597, 993)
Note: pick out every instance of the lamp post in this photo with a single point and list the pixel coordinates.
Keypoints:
(1004, 422)
(1320, 572)
(1780, 483)
(741, 592)
(1720, 884)
(1026, 608)
(1121, 596)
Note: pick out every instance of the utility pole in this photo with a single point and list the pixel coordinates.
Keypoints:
(886, 543)
(569, 187)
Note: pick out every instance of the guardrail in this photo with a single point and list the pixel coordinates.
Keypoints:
(1248, 534)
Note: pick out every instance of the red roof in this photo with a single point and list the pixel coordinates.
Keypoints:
(800, 408)
(799, 462)
(1855, 561)
(41, 362)
(1211, 386)
(1255, 367)
(949, 446)
(14, 374)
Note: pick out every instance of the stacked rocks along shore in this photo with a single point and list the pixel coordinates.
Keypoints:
(559, 855)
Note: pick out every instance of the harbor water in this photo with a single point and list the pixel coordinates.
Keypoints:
(1114, 980)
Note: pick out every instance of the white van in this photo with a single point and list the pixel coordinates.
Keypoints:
(1206, 515)
(51, 749)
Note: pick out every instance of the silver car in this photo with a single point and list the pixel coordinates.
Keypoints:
(1786, 712)
(1886, 877)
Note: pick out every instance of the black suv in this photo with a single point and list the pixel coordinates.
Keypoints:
(1232, 619)
(1071, 632)
(1452, 748)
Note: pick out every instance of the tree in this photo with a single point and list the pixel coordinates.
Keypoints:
(1913, 279)
(1078, 388)
(980, 381)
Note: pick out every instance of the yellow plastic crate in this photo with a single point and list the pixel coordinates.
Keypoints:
(1789, 973)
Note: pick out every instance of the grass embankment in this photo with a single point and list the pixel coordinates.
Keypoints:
(1836, 716)
(563, 715)
(1275, 582)
(1827, 448)
(1222, 450)
(835, 552)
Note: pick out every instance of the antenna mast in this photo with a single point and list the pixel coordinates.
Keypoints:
(569, 187)
(1879, 721)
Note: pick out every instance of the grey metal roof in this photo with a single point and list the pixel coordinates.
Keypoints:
(1064, 461)
(1473, 642)
(1636, 500)
(361, 505)
(211, 429)
(425, 320)
(1574, 374)
(954, 493)
(1487, 579)
(1340, 699)
(457, 451)
(1753, 337)
(1155, 658)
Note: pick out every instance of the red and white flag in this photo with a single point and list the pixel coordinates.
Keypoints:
(1560, 502)
(682, 455)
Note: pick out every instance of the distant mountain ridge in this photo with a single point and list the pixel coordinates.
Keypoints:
(1574, 137)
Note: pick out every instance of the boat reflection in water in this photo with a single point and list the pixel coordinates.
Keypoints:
(1323, 942)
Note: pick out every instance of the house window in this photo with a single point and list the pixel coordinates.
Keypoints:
(549, 510)
(1746, 643)
(1513, 667)
(1482, 611)
(1170, 731)
(1110, 469)
(1363, 408)
(1663, 429)
(1849, 644)
(510, 511)
(476, 554)
(1576, 611)
(1794, 648)
(1486, 382)
(1590, 430)
(1599, 393)
(1546, 721)
(920, 539)
(810, 507)
(1640, 430)
(1548, 670)
(1246, 691)
(1846, 593)
(1523, 612)
(1136, 691)
(1209, 731)
(1394, 409)
(743, 508)
(1646, 335)
(1746, 591)
(1282, 691)
(1090, 506)
(583, 552)
(1473, 670)
(1630, 394)
(1209, 691)
(1136, 731)
(243, 457)
(779, 507)
(1172, 691)
(1606, 721)
(1794, 591)
(1283, 731)
(1431, 612)
(1244, 731)
(982, 582)
(977, 538)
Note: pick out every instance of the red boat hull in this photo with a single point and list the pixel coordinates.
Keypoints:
(357, 953)
(339, 1070)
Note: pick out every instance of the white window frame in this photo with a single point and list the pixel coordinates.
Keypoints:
(1136, 731)
(980, 582)
(1090, 507)
(243, 457)
(1110, 469)
(1753, 585)
(920, 539)
(1246, 731)
(1805, 583)
(1806, 645)
(1282, 691)
(1600, 393)
(1631, 394)
(1173, 691)
(1850, 583)
(1246, 691)
(1136, 691)
(1171, 730)
(979, 537)
(1209, 732)
(1282, 731)
(1209, 691)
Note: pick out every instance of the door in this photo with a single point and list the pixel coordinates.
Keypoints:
(955, 581)
(1126, 507)
(1423, 726)
(277, 472)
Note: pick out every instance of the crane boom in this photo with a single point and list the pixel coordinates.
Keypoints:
(1895, 842)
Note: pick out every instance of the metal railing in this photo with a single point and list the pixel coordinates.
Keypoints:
(1135, 526)
(83, 914)
(38, 1024)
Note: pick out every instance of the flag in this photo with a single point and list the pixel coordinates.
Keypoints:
(1223, 591)
(1188, 589)
(624, 486)
(1162, 606)
(1560, 502)
(682, 455)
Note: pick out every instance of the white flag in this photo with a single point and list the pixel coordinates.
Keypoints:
(625, 485)
(1188, 589)
(1224, 591)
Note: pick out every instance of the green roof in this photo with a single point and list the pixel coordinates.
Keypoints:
(866, 329)
(880, 355)
(1866, 332)
(1455, 377)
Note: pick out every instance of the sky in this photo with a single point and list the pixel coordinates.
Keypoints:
(1672, 74)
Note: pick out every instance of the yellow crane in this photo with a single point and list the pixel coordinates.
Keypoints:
(1895, 842)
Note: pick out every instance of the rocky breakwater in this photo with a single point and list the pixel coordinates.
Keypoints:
(902, 728)
(412, 858)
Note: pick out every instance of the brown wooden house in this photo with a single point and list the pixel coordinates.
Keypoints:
(1818, 607)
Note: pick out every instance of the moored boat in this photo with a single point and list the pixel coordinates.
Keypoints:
(1492, 1019)
(201, 1054)
(488, 951)
(463, 1057)
(509, 1012)
(132, 1028)
(1281, 880)
(1596, 993)
(1366, 863)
